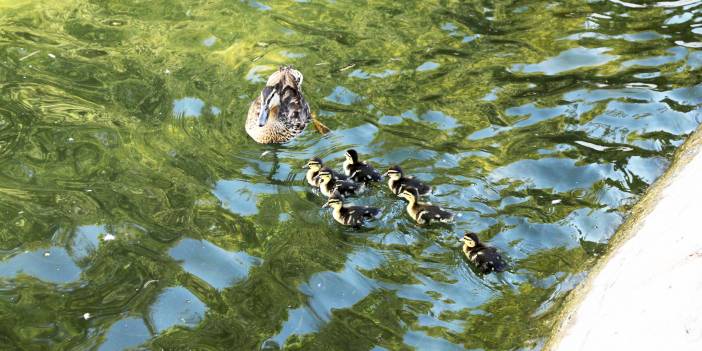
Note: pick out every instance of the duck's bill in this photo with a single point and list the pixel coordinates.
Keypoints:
(326, 205)
(263, 115)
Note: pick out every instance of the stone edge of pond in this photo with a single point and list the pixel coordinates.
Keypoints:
(690, 149)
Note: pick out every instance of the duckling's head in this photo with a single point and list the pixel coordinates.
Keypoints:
(324, 175)
(470, 241)
(285, 77)
(409, 194)
(351, 156)
(335, 201)
(315, 164)
(394, 172)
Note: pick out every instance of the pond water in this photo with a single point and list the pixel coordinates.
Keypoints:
(136, 213)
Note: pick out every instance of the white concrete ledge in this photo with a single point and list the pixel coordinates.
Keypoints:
(646, 294)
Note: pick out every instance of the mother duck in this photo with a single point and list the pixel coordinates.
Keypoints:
(280, 112)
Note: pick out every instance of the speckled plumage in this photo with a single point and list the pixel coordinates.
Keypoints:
(328, 185)
(289, 118)
(359, 171)
(314, 165)
(485, 258)
(423, 212)
(397, 181)
(354, 216)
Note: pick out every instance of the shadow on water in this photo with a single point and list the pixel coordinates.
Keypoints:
(136, 212)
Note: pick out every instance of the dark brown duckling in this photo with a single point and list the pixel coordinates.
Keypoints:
(314, 165)
(354, 216)
(328, 184)
(359, 171)
(398, 181)
(485, 258)
(424, 212)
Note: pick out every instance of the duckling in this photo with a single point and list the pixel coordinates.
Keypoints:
(484, 257)
(359, 171)
(280, 112)
(354, 216)
(397, 181)
(424, 212)
(328, 184)
(314, 165)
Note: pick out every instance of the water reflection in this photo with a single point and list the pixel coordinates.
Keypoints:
(124, 334)
(569, 60)
(52, 265)
(177, 306)
(216, 266)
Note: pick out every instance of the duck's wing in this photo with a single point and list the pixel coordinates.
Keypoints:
(339, 176)
(294, 111)
(357, 215)
(346, 187)
(365, 173)
(489, 260)
(436, 214)
(422, 188)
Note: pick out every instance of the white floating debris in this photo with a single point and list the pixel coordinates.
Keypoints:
(86, 316)
(167, 71)
(52, 55)
(47, 254)
(150, 282)
(557, 201)
(108, 237)
(70, 140)
(265, 153)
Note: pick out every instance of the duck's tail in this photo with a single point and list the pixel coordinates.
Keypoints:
(319, 126)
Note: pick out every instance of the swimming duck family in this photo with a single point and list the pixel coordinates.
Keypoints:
(280, 113)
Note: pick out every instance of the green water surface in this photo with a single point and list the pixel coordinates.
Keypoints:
(136, 213)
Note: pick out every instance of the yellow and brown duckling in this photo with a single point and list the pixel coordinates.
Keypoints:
(359, 171)
(484, 257)
(354, 216)
(398, 181)
(314, 165)
(280, 112)
(424, 212)
(328, 184)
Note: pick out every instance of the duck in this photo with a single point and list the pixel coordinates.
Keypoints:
(328, 185)
(359, 171)
(280, 113)
(398, 181)
(485, 258)
(424, 212)
(313, 166)
(353, 216)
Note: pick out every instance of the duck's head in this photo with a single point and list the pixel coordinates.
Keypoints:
(314, 164)
(394, 173)
(335, 201)
(324, 175)
(470, 241)
(409, 194)
(285, 77)
(351, 156)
